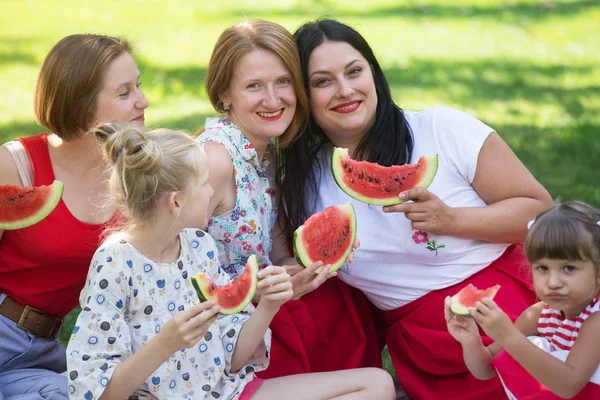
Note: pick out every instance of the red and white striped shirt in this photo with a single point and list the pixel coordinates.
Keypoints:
(562, 332)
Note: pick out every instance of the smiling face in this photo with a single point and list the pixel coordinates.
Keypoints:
(566, 285)
(343, 99)
(121, 98)
(261, 97)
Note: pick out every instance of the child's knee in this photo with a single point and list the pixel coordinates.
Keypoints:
(381, 383)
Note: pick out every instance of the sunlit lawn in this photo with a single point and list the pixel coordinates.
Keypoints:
(527, 68)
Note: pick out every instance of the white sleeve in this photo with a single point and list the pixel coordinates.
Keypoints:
(230, 327)
(206, 255)
(100, 339)
(460, 136)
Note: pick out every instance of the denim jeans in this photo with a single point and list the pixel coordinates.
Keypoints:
(30, 366)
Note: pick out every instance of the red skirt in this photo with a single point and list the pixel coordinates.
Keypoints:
(519, 383)
(428, 361)
(329, 329)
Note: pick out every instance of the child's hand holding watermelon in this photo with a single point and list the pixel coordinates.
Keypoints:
(463, 329)
(187, 327)
(275, 286)
(494, 322)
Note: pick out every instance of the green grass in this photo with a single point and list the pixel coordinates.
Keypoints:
(528, 68)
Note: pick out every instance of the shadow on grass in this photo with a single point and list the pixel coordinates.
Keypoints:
(18, 129)
(512, 12)
(479, 83)
(13, 51)
(190, 123)
(564, 159)
(168, 82)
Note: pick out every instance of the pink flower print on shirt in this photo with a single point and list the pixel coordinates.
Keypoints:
(431, 244)
(420, 237)
(243, 230)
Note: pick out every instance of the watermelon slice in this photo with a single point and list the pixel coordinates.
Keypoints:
(327, 236)
(21, 207)
(468, 296)
(233, 297)
(374, 184)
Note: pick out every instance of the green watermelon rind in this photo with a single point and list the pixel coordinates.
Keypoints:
(457, 308)
(56, 191)
(196, 286)
(338, 174)
(302, 255)
(203, 295)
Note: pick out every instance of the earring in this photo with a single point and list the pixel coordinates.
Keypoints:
(226, 106)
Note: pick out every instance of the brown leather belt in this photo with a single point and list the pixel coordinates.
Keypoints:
(31, 319)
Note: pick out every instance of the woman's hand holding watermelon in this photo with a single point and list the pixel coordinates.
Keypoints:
(305, 280)
(463, 329)
(426, 211)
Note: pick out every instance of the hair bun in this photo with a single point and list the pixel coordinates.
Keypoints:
(105, 133)
(130, 146)
(141, 153)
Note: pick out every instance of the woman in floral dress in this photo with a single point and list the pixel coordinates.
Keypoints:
(254, 80)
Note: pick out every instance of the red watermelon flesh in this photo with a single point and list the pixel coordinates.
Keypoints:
(375, 184)
(327, 236)
(21, 207)
(468, 296)
(234, 296)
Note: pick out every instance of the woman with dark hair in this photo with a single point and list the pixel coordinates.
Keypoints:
(467, 227)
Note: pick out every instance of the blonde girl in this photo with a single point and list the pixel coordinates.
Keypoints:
(554, 342)
(142, 331)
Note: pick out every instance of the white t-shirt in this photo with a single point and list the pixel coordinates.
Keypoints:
(395, 264)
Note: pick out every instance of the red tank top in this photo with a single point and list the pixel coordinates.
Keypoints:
(45, 265)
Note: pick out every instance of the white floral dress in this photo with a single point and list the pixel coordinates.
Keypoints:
(247, 228)
(126, 301)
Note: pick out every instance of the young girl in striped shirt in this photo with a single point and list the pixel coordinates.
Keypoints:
(552, 350)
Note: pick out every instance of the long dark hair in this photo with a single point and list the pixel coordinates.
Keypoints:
(388, 142)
